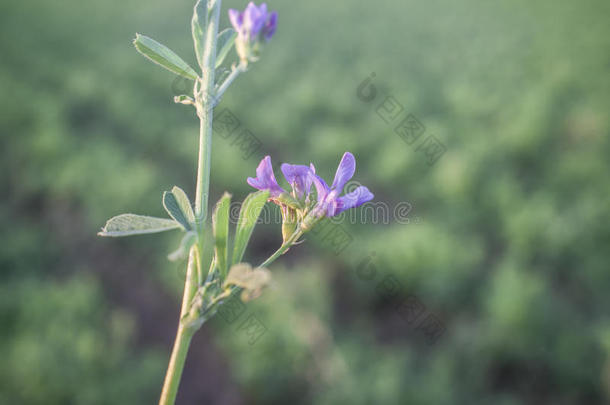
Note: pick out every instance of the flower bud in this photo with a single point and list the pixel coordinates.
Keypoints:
(289, 222)
(254, 26)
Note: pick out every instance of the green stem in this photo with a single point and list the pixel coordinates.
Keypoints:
(183, 338)
(285, 246)
(176, 365)
(204, 95)
(225, 85)
(204, 101)
(203, 166)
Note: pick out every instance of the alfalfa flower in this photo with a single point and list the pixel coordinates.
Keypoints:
(300, 207)
(265, 179)
(290, 207)
(300, 178)
(330, 203)
(254, 26)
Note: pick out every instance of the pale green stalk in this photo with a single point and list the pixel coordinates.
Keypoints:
(236, 71)
(285, 246)
(203, 93)
(183, 337)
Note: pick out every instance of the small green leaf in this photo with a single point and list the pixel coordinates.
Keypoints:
(248, 215)
(189, 239)
(163, 56)
(220, 226)
(184, 202)
(178, 206)
(226, 38)
(251, 280)
(184, 99)
(199, 24)
(131, 224)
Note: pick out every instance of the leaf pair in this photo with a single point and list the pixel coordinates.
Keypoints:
(178, 207)
(165, 57)
(248, 216)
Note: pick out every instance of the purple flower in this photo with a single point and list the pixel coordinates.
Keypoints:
(300, 178)
(329, 202)
(265, 179)
(252, 25)
(270, 26)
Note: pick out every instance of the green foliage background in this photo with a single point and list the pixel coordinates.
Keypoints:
(510, 248)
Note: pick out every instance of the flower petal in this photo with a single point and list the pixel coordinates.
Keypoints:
(262, 10)
(299, 177)
(270, 26)
(265, 179)
(345, 171)
(354, 199)
(236, 19)
(321, 187)
(254, 19)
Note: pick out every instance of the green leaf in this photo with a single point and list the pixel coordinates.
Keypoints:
(199, 24)
(220, 226)
(178, 206)
(226, 38)
(248, 215)
(189, 239)
(131, 224)
(163, 56)
(184, 99)
(251, 280)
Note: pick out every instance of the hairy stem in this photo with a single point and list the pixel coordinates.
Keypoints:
(204, 102)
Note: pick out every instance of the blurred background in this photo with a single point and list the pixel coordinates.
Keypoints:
(489, 286)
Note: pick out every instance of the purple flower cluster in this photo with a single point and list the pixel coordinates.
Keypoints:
(253, 25)
(329, 201)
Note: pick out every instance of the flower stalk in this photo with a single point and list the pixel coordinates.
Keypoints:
(285, 246)
(235, 71)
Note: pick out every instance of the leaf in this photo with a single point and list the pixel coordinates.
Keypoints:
(251, 280)
(220, 226)
(183, 99)
(131, 224)
(163, 56)
(178, 206)
(199, 24)
(248, 215)
(226, 38)
(189, 239)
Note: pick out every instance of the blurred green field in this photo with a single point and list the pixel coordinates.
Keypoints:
(507, 243)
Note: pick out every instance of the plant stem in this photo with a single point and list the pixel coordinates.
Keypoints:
(285, 246)
(204, 100)
(225, 85)
(203, 166)
(176, 365)
(204, 95)
(183, 338)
